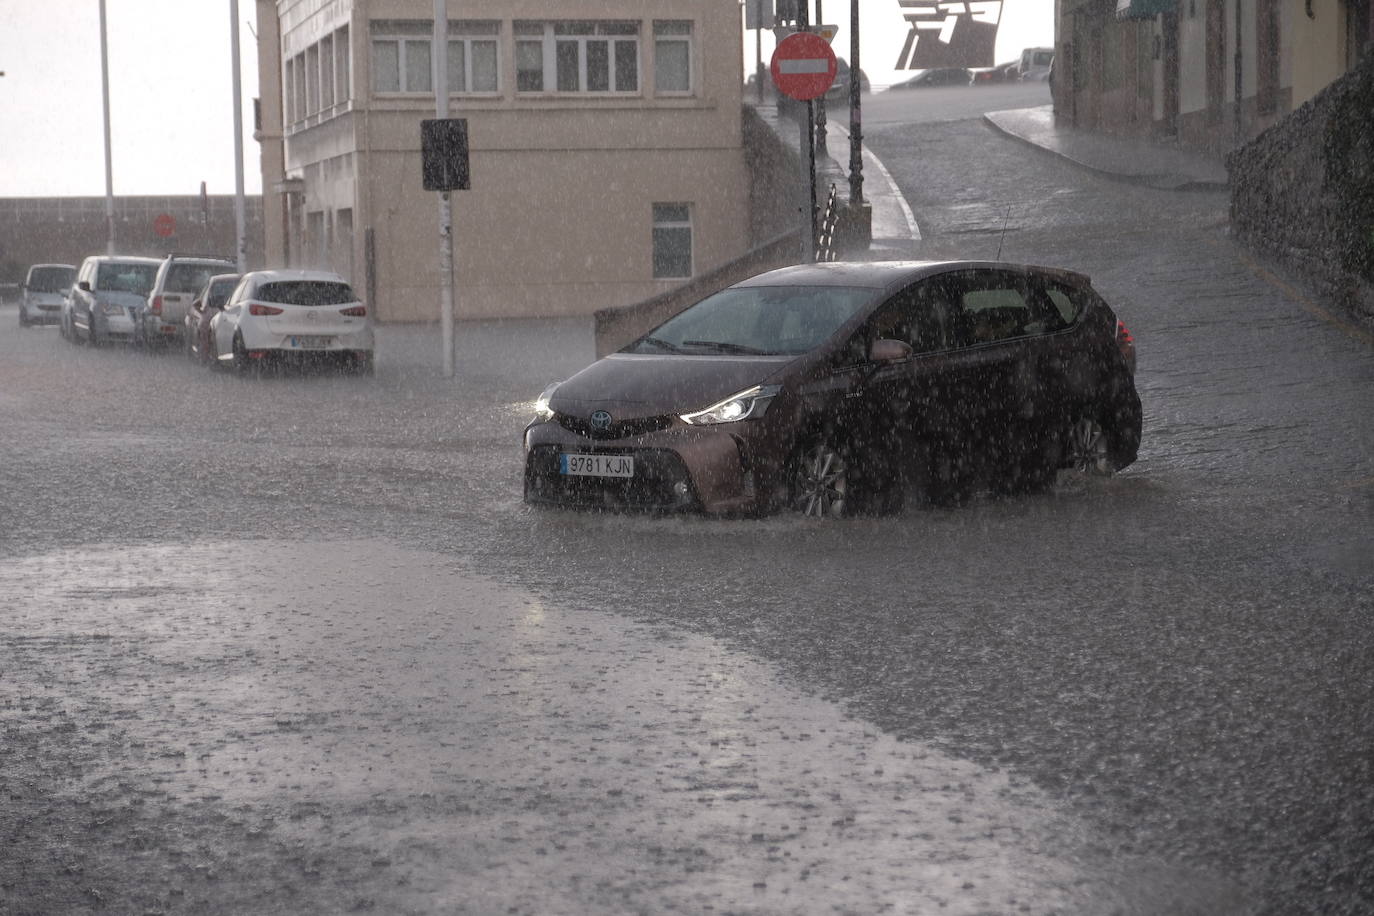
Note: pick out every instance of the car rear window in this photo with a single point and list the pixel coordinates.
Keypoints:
(115, 277)
(306, 292)
(51, 279)
(190, 277)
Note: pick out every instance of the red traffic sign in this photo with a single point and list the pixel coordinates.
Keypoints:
(803, 66)
(165, 225)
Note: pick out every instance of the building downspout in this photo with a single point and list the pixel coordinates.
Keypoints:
(1240, 73)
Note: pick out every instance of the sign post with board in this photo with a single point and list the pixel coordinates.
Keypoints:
(803, 68)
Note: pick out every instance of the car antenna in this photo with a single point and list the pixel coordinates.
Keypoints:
(1001, 238)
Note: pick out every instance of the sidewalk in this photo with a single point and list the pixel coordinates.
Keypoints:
(1125, 159)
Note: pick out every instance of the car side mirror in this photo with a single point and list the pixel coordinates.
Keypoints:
(84, 286)
(887, 351)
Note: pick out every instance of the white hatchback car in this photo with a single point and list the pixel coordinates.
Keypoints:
(300, 316)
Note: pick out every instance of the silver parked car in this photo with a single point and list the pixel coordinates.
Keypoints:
(44, 288)
(108, 300)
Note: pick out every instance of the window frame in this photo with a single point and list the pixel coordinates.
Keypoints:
(667, 37)
(580, 33)
(662, 225)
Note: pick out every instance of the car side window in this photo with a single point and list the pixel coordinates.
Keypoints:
(1066, 302)
(915, 316)
(988, 307)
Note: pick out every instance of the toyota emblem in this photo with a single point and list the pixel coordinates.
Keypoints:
(601, 420)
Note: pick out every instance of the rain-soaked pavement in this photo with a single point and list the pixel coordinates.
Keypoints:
(294, 645)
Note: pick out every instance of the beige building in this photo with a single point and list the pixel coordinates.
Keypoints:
(606, 155)
(1212, 73)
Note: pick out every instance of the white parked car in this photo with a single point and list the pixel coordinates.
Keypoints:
(298, 316)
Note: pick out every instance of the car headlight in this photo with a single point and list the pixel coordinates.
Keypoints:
(751, 403)
(542, 410)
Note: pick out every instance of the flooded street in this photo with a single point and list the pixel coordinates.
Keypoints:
(294, 644)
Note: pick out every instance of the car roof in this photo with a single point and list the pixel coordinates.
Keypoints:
(886, 275)
(123, 259)
(273, 276)
(40, 266)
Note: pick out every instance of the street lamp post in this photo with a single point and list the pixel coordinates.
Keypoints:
(856, 146)
(240, 244)
(109, 162)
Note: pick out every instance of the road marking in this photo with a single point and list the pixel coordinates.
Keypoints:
(877, 163)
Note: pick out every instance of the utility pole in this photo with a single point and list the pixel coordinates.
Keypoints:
(856, 146)
(240, 236)
(808, 157)
(445, 204)
(820, 102)
(109, 162)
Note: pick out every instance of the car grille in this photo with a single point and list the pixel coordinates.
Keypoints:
(653, 487)
(622, 429)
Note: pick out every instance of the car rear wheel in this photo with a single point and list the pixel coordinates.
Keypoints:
(820, 481)
(1087, 449)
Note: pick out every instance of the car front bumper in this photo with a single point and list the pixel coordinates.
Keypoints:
(681, 468)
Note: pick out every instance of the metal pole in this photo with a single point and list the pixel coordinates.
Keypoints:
(109, 162)
(445, 204)
(808, 160)
(820, 102)
(240, 237)
(856, 145)
(758, 52)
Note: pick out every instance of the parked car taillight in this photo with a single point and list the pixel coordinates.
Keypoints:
(260, 310)
(1126, 342)
(357, 311)
(156, 307)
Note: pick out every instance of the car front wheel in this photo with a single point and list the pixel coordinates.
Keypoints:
(820, 481)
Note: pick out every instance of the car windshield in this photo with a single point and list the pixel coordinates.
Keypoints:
(51, 279)
(757, 320)
(190, 278)
(115, 277)
(306, 292)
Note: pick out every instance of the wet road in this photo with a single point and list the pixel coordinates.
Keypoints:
(230, 597)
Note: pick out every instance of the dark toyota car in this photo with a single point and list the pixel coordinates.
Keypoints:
(841, 388)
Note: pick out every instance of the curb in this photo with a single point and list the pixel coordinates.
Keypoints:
(1162, 181)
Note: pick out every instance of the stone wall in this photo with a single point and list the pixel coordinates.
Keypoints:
(1303, 191)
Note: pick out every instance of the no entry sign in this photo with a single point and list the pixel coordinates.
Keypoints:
(165, 225)
(803, 66)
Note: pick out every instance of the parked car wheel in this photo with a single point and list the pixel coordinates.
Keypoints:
(820, 481)
(1087, 449)
(241, 362)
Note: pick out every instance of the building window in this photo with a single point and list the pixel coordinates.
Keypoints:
(473, 64)
(400, 57)
(672, 240)
(312, 79)
(298, 77)
(672, 56)
(343, 89)
(577, 56)
(327, 72)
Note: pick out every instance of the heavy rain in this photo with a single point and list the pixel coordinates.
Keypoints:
(285, 632)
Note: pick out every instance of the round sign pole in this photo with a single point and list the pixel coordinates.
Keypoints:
(803, 68)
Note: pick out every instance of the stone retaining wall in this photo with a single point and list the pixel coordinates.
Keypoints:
(1303, 191)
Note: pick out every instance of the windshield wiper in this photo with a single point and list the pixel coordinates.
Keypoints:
(660, 343)
(725, 347)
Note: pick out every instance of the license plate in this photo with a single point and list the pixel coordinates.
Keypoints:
(598, 465)
(309, 342)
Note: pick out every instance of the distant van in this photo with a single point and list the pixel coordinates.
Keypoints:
(1035, 63)
(43, 291)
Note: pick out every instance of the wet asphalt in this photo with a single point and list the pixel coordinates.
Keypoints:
(293, 644)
